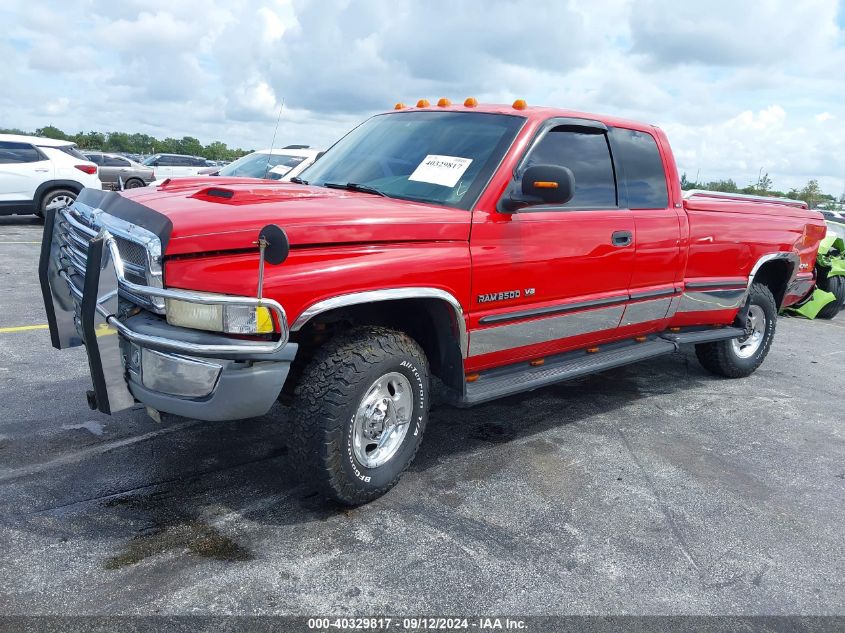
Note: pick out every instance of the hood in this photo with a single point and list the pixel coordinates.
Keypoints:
(228, 213)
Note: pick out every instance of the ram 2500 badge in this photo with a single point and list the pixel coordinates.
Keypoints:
(497, 248)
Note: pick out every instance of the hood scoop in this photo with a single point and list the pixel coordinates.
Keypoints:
(226, 195)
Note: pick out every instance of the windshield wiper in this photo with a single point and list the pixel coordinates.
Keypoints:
(354, 186)
(298, 180)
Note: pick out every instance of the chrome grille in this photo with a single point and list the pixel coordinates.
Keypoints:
(74, 237)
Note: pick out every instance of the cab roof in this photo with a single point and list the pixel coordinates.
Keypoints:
(519, 108)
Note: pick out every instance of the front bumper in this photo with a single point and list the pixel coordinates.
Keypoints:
(141, 357)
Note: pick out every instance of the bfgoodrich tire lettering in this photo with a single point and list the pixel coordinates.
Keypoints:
(741, 357)
(327, 406)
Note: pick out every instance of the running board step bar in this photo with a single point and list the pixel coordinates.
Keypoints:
(703, 336)
(507, 381)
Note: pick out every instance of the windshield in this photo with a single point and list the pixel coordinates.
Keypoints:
(257, 164)
(152, 159)
(439, 157)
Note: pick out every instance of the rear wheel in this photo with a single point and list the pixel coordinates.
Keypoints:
(836, 285)
(359, 412)
(56, 199)
(740, 357)
(133, 183)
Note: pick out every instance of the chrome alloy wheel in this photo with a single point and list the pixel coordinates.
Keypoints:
(60, 202)
(382, 420)
(755, 328)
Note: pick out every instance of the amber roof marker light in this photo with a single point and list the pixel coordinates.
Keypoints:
(400, 106)
(423, 103)
(519, 104)
(470, 102)
(443, 102)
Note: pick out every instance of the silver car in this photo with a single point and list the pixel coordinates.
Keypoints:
(115, 170)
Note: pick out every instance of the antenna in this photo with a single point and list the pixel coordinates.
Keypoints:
(273, 142)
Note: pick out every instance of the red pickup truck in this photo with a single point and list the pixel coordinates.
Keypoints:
(496, 248)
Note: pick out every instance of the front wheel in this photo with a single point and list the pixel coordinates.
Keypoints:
(359, 412)
(740, 357)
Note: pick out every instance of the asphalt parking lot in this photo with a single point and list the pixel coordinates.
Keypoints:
(651, 489)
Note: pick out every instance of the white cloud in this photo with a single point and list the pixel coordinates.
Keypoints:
(737, 89)
(58, 106)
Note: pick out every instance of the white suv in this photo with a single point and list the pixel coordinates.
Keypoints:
(169, 165)
(40, 173)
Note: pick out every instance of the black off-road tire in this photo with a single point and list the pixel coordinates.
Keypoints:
(836, 285)
(722, 358)
(325, 403)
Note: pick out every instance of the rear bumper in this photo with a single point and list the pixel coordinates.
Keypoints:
(141, 357)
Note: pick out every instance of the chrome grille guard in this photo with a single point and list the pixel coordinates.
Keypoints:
(82, 308)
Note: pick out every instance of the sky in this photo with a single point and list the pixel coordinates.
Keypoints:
(739, 87)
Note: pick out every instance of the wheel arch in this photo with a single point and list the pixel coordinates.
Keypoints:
(431, 316)
(46, 187)
(776, 271)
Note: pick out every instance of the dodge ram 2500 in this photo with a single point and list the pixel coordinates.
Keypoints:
(496, 248)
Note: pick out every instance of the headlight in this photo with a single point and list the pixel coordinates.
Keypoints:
(218, 317)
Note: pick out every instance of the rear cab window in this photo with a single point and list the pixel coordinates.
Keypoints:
(643, 176)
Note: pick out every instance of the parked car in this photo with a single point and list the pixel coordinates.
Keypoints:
(39, 173)
(114, 170)
(276, 164)
(833, 216)
(497, 248)
(169, 165)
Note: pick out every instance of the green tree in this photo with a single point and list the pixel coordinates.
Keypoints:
(216, 151)
(137, 143)
(812, 193)
(51, 131)
(764, 183)
(727, 186)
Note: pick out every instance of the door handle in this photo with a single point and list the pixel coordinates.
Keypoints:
(41, 170)
(621, 238)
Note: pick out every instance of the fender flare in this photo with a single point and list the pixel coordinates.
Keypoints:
(792, 259)
(389, 294)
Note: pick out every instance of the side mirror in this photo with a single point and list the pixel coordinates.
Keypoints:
(541, 184)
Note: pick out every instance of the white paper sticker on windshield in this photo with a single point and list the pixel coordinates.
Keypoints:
(441, 170)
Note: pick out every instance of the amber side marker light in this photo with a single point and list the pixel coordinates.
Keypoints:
(519, 104)
(674, 329)
(471, 377)
(423, 103)
(592, 350)
(537, 362)
(470, 102)
(545, 184)
(641, 339)
(399, 106)
(443, 102)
